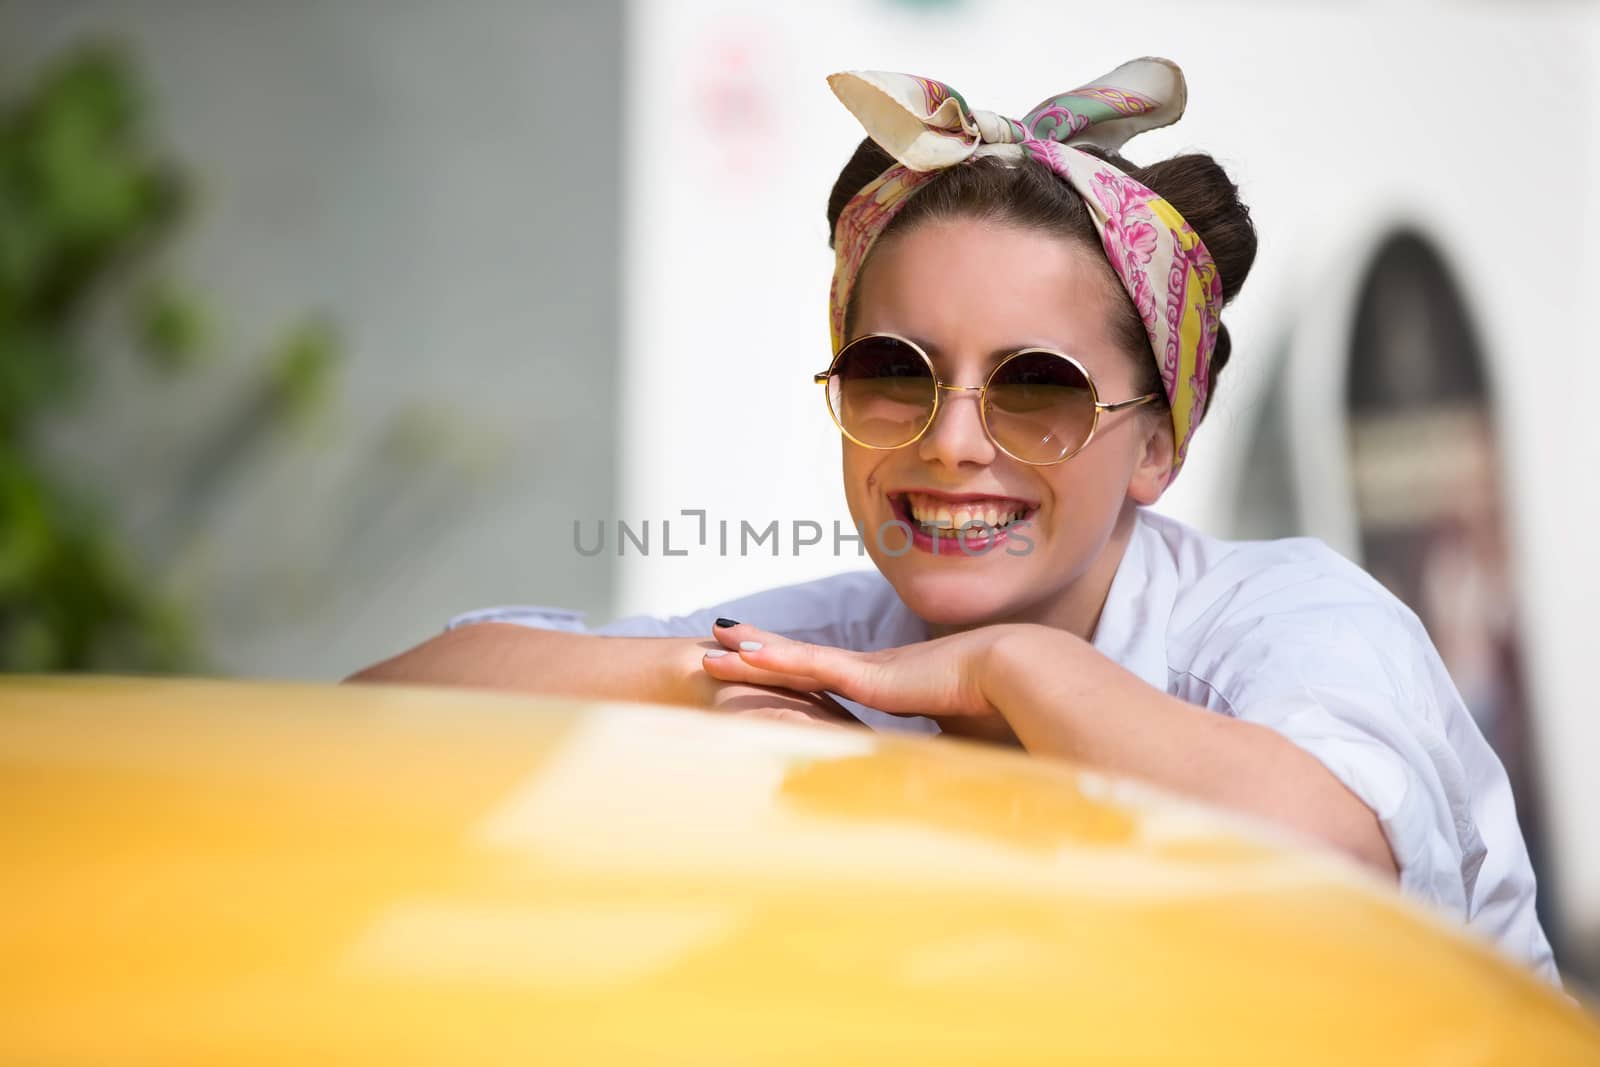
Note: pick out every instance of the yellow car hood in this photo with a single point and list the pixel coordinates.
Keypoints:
(259, 873)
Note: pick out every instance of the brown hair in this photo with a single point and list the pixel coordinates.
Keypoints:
(1032, 195)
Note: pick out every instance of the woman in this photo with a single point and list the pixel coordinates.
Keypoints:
(1026, 332)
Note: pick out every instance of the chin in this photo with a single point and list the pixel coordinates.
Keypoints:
(954, 598)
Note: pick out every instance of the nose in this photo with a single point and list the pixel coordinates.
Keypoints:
(957, 435)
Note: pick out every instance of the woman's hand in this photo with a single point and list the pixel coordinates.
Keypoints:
(941, 679)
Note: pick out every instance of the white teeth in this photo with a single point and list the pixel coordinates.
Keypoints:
(931, 513)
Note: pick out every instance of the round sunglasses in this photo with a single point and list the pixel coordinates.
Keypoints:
(1038, 406)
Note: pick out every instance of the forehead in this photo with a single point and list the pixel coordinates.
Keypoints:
(974, 286)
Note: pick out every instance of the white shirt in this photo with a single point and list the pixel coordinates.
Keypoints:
(1285, 633)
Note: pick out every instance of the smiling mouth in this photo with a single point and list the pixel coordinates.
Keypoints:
(933, 514)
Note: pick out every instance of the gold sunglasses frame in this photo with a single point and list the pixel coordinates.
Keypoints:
(821, 378)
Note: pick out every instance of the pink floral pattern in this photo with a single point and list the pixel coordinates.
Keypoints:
(1128, 233)
(1159, 258)
(865, 216)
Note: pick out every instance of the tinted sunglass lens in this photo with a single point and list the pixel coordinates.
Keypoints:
(1040, 407)
(881, 392)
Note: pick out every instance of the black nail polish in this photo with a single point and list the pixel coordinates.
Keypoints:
(725, 623)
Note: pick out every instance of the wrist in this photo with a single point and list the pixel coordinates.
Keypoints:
(1021, 657)
(680, 677)
(1008, 652)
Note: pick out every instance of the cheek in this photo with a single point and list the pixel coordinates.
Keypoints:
(1089, 489)
(860, 479)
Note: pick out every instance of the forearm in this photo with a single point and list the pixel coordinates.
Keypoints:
(505, 656)
(1063, 698)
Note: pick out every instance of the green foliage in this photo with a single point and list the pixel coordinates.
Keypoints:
(172, 327)
(87, 203)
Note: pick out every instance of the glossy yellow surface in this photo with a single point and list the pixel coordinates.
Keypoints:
(246, 873)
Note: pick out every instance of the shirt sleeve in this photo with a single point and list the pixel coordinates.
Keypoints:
(544, 617)
(844, 610)
(534, 616)
(1293, 636)
(1350, 685)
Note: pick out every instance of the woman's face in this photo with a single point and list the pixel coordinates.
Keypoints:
(969, 292)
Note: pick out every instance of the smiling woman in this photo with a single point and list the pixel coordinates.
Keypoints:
(1026, 336)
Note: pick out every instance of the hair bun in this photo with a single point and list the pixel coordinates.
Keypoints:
(1209, 201)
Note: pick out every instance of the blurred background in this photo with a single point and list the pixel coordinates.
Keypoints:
(323, 322)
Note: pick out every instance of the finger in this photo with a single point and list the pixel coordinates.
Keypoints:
(860, 676)
(726, 666)
(736, 637)
(837, 670)
(730, 633)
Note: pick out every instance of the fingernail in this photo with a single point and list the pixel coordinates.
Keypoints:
(750, 646)
(725, 623)
(715, 652)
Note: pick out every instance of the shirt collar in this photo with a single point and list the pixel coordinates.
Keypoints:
(1133, 624)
